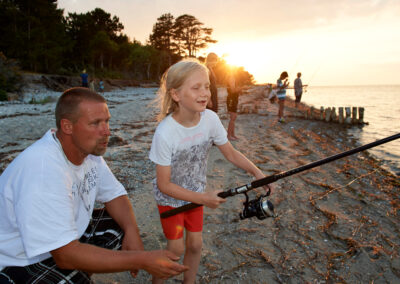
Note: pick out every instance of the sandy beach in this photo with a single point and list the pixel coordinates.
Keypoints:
(337, 223)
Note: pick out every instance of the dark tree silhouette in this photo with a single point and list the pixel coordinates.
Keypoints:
(190, 35)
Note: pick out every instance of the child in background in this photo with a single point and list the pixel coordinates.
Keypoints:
(101, 86)
(281, 84)
(180, 150)
(91, 85)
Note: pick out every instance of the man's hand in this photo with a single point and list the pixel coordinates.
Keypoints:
(162, 264)
(130, 242)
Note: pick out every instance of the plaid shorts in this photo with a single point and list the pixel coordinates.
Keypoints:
(102, 231)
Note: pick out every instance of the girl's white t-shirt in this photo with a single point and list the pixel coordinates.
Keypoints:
(185, 150)
(46, 201)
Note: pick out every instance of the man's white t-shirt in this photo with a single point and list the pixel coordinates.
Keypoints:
(46, 201)
(185, 150)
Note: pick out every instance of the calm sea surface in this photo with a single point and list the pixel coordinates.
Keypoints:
(382, 112)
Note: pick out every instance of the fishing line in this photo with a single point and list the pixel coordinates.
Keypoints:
(343, 186)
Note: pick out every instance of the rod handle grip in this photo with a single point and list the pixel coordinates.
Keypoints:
(178, 210)
(224, 194)
(172, 212)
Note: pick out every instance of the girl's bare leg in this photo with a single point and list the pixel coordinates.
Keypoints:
(175, 246)
(194, 243)
(281, 108)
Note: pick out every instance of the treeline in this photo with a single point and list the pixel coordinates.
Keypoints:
(38, 35)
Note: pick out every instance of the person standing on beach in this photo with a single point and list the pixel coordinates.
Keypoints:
(180, 149)
(232, 101)
(50, 231)
(91, 85)
(211, 62)
(84, 78)
(281, 85)
(298, 89)
(101, 86)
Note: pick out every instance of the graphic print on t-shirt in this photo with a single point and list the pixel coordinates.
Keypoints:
(188, 169)
(84, 188)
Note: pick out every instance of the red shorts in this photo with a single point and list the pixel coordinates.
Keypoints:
(191, 220)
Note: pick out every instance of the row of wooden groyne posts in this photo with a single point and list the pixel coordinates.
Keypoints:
(257, 103)
(344, 115)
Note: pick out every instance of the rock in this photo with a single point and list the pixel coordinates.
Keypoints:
(12, 97)
(116, 141)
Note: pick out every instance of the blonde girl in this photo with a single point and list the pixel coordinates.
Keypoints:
(180, 149)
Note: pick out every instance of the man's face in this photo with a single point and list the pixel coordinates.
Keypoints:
(91, 131)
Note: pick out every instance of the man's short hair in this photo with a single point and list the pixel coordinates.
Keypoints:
(68, 103)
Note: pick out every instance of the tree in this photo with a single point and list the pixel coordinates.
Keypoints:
(97, 26)
(10, 25)
(102, 21)
(33, 31)
(162, 36)
(190, 35)
(100, 45)
(10, 77)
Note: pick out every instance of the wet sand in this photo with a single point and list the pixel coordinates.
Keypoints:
(337, 223)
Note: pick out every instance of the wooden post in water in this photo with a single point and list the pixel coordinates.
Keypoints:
(354, 114)
(255, 108)
(333, 114)
(347, 120)
(360, 115)
(328, 114)
(341, 115)
(311, 112)
(321, 114)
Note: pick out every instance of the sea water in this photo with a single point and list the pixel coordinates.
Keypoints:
(382, 112)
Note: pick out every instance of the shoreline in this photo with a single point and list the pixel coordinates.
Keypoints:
(336, 223)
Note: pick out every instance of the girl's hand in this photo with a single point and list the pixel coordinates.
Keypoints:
(269, 187)
(211, 199)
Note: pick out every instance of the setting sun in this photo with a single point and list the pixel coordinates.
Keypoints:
(246, 54)
(265, 59)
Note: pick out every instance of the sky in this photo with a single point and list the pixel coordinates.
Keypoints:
(331, 42)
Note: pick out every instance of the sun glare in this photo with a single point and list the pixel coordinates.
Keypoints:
(265, 58)
(244, 54)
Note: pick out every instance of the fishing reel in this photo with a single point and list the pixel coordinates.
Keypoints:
(260, 207)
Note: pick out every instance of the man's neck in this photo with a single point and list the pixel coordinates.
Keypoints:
(70, 151)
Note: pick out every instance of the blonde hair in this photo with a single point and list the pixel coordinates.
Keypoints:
(173, 79)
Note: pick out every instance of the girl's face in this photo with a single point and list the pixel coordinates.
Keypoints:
(194, 93)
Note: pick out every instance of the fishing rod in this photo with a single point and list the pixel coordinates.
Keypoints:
(262, 207)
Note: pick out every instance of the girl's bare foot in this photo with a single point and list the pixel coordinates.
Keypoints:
(232, 138)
